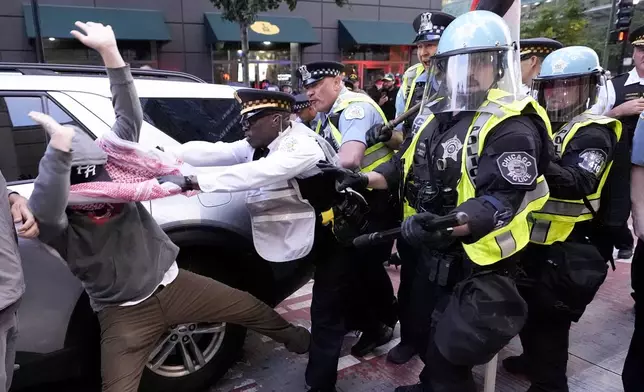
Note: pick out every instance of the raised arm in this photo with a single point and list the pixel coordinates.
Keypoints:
(48, 200)
(129, 115)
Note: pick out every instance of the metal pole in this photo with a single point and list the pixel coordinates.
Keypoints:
(610, 24)
(40, 54)
(621, 56)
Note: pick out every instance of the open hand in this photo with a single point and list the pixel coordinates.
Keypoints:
(97, 36)
(61, 135)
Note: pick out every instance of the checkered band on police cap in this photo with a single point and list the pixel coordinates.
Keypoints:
(538, 46)
(254, 99)
(313, 72)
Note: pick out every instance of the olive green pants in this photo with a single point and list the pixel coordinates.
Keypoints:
(129, 334)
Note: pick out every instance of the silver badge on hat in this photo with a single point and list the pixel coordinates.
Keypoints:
(425, 22)
(305, 72)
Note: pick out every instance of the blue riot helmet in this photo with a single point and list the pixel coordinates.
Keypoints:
(474, 55)
(569, 82)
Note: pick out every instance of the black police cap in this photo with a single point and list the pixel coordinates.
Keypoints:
(538, 46)
(301, 102)
(314, 72)
(253, 100)
(637, 36)
(429, 26)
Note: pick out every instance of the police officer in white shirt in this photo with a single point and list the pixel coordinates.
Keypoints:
(624, 100)
(269, 163)
(276, 164)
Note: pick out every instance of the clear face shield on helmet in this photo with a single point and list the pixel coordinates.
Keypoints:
(565, 98)
(464, 80)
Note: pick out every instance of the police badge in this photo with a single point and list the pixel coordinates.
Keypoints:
(304, 72)
(425, 22)
(451, 148)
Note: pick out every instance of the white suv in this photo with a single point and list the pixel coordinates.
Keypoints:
(59, 335)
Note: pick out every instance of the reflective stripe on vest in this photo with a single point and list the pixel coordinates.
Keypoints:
(507, 240)
(514, 236)
(375, 155)
(407, 160)
(409, 80)
(556, 220)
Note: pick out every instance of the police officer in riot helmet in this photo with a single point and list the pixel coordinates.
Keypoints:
(562, 232)
(480, 150)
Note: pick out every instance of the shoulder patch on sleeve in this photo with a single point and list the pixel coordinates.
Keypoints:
(593, 160)
(354, 112)
(517, 168)
(289, 144)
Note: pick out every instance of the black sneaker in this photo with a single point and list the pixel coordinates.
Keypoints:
(420, 387)
(369, 341)
(400, 354)
(625, 254)
(516, 365)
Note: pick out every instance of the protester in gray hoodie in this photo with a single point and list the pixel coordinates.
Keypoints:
(124, 260)
(15, 218)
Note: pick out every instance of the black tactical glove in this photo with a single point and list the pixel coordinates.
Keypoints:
(414, 231)
(345, 178)
(378, 134)
(184, 182)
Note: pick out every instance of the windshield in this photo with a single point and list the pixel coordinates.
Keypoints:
(189, 119)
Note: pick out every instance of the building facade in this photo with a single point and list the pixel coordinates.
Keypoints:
(371, 36)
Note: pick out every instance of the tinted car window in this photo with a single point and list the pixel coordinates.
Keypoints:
(188, 119)
(23, 142)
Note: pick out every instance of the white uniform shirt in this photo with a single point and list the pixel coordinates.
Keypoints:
(230, 166)
(606, 98)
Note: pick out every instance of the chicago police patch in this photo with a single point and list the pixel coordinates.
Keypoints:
(418, 122)
(517, 168)
(354, 112)
(593, 160)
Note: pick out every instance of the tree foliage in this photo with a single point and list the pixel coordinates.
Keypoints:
(564, 21)
(244, 12)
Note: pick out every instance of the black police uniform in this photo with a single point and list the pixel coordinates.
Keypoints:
(545, 335)
(429, 27)
(439, 270)
(352, 290)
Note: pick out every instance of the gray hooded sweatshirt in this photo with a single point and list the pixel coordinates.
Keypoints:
(124, 258)
(12, 283)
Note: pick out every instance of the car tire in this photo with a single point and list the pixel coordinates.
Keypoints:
(200, 380)
(196, 258)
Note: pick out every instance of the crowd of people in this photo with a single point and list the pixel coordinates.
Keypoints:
(524, 153)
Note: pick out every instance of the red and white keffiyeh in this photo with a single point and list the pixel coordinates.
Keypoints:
(133, 170)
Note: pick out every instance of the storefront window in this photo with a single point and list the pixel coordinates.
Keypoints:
(273, 65)
(372, 62)
(376, 53)
(63, 51)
